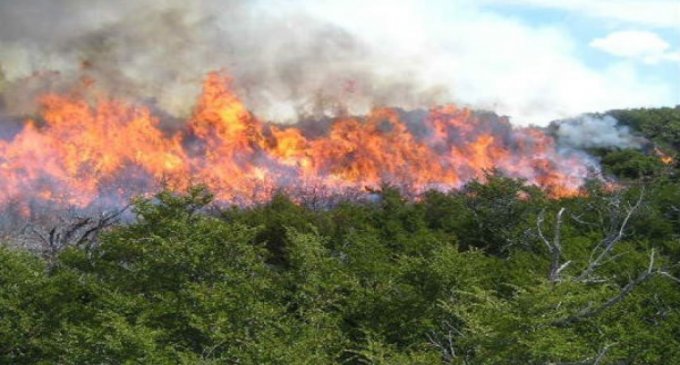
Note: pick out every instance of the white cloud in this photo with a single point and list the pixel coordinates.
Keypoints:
(401, 53)
(646, 46)
(656, 13)
(489, 61)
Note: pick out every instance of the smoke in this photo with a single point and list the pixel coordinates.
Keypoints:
(283, 66)
(595, 132)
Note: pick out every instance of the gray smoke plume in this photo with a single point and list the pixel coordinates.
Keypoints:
(159, 51)
(595, 132)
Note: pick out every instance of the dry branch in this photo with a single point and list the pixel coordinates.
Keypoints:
(604, 248)
(74, 231)
(554, 245)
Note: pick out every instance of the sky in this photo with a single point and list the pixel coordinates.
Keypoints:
(534, 60)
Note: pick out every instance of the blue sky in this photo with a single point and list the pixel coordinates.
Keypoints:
(585, 28)
(535, 60)
(532, 60)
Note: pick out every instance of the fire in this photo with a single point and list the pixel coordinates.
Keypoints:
(80, 153)
(665, 158)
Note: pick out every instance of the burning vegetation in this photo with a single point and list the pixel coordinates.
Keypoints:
(81, 152)
(321, 202)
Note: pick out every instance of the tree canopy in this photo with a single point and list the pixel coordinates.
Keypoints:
(494, 273)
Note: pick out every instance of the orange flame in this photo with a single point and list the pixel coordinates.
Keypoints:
(80, 154)
(665, 158)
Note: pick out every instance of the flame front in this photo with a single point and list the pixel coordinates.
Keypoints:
(81, 153)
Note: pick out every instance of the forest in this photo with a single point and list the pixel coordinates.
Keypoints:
(497, 272)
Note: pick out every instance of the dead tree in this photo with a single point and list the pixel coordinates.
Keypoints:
(554, 246)
(601, 253)
(444, 341)
(596, 360)
(590, 311)
(74, 231)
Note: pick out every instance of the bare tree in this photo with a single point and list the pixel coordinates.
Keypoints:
(554, 246)
(596, 360)
(445, 342)
(72, 231)
(591, 311)
(601, 253)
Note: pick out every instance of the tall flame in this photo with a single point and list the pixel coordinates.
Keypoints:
(81, 153)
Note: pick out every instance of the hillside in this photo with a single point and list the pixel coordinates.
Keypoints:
(496, 272)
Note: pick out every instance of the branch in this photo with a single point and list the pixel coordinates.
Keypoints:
(590, 312)
(593, 360)
(106, 220)
(554, 246)
(602, 353)
(664, 273)
(608, 244)
(74, 231)
(446, 344)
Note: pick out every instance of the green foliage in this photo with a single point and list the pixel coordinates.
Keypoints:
(452, 278)
(661, 125)
(632, 164)
(497, 211)
(659, 129)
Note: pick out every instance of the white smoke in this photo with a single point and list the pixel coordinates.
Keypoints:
(310, 57)
(159, 51)
(596, 132)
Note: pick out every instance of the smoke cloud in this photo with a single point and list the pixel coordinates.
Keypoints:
(595, 132)
(159, 51)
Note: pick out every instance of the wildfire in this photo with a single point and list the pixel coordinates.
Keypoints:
(665, 158)
(80, 153)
